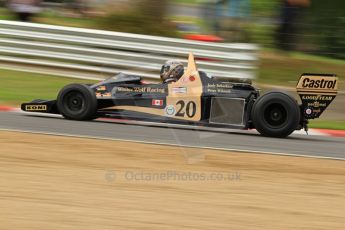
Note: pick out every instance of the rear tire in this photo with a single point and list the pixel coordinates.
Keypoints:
(77, 102)
(276, 114)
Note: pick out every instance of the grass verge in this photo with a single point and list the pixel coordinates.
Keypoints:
(17, 87)
(323, 124)
(284, 68)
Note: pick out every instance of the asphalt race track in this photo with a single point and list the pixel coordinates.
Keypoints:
(301, 145)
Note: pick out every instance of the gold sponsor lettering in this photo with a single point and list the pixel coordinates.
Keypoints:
(317, 104)
(224, 91)
(141, 90)
(317, 97)
(223, 85)
(122, 89)
(212, 90)
(318, 84)
(36, 107)
(155, 90)
(101, 88)
(328, 83)
(219, 88)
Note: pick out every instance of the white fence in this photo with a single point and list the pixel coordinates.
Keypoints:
(87, 53)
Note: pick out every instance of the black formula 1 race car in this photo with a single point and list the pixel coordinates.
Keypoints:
(195, 99)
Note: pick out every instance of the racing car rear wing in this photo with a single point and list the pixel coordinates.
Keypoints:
(316, 91)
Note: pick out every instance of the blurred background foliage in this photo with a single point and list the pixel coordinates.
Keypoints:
(320, 28)
(317, 46)
(142, 16)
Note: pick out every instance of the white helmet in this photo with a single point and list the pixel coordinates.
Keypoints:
(171, 71)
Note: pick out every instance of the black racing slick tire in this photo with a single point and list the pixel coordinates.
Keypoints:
(77, 102)
(275, 114)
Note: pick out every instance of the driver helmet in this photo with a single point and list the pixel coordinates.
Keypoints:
(171, 71)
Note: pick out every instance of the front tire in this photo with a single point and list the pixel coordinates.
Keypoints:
(276, 114)
(77, 102)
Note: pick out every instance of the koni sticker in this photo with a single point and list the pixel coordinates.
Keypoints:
(36, 108)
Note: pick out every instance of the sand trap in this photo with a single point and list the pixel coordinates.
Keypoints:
(49, 182)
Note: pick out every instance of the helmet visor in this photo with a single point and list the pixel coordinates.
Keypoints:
(165, 69)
